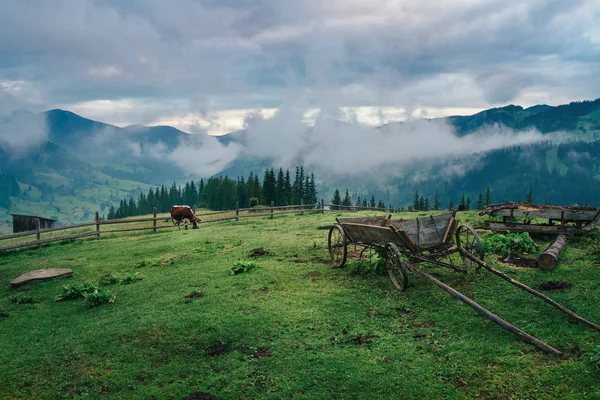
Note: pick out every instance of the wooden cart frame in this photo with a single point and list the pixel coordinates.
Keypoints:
(561, 220)
(429, 240)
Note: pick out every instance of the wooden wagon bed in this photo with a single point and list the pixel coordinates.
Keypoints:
(560, 219)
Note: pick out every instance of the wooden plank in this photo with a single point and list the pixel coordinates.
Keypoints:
(428, 229)
(135, 229)
(592, 224)
(370, 234)
(514, 227)
(375, 221)
(130, 220)
(59, 228)
(42, 241)
(569, 215)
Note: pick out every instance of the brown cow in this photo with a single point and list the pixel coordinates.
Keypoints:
(181, 213)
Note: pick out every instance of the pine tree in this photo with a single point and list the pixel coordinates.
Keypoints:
(436, 201)
(313, 190)
(463, 204)
(488, 197)
(269, 187)
(529, 198)
(288, 189)
(416, 204)
(372, 202)
(451, 205)
(347, 200)
(336, 200)
(381, 204)
(468, 204)
(280, 199)
(111, 212)
(426, 208)
(422, 204)
(358, 201)
(480, 201)
(364, 202)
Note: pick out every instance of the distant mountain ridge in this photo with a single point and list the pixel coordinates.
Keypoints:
(98, 162)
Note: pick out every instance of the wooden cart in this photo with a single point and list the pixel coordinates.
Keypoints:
(420, 240)
(428, 240)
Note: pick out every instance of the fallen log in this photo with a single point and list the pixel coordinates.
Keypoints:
(549, 258)
(504, 324)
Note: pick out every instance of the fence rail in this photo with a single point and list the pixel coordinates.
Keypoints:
(236, 215)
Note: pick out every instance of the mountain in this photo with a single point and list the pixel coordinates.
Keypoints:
(81, 165)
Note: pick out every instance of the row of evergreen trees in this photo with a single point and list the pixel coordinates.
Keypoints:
(347, 201)
(222, 193)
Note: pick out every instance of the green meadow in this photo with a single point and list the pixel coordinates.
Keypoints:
(290, 327)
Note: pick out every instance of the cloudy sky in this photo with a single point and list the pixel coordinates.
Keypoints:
(204, 65)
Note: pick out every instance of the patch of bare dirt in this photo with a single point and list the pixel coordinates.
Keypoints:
(201, 396)
(323, 227)
(262, 352)
(259, 252)
(192, 296)
(555, 285)
(320, 260)
(300, 261)
(363, 339)
(217, 348)
(516, 261)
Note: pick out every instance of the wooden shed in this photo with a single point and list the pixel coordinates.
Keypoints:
(24, 223)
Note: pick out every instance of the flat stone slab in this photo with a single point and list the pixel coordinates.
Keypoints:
(41, 274)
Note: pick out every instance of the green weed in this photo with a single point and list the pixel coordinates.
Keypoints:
(509, 243)
(76, 291)
(242, 266)
(98, 297)
(21, 299)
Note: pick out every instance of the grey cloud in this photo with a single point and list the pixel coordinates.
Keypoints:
(228, 51)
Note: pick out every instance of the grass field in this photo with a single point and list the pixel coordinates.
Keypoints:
(291, 328)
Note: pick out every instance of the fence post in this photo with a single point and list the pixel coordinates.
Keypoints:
(237, 211)
(301, 207)
(97, 225)
(272, 204)
(322, 206)
(38, 234)
(154, 220)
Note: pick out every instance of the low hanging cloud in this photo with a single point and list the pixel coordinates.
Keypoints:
(338, 148)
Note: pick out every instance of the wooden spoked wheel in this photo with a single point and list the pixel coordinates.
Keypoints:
(468, 239)
(396, 267)
(338, 247)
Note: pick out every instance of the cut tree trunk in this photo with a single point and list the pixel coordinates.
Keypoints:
(549, 258)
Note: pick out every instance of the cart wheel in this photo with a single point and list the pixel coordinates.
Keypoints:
(468, 239)
(338, 248)
(396, 267)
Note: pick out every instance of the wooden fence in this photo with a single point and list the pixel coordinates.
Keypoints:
(94, 228)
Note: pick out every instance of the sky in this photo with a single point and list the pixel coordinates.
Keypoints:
(210, 65)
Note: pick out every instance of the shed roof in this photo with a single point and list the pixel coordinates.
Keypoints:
(32, 216)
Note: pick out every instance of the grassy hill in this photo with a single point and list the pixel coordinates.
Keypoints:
(292, 328)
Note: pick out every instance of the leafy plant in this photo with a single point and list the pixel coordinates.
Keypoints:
(98, 297)
(129, 279)
(510, 243)
(371, 264)
(76, 291)
(126, 280)
(141, 264)
(242, 266)
(595, 359)
(21, 299)
(109, 280)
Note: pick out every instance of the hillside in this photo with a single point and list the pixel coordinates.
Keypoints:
(83, 165)
(294, 327)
